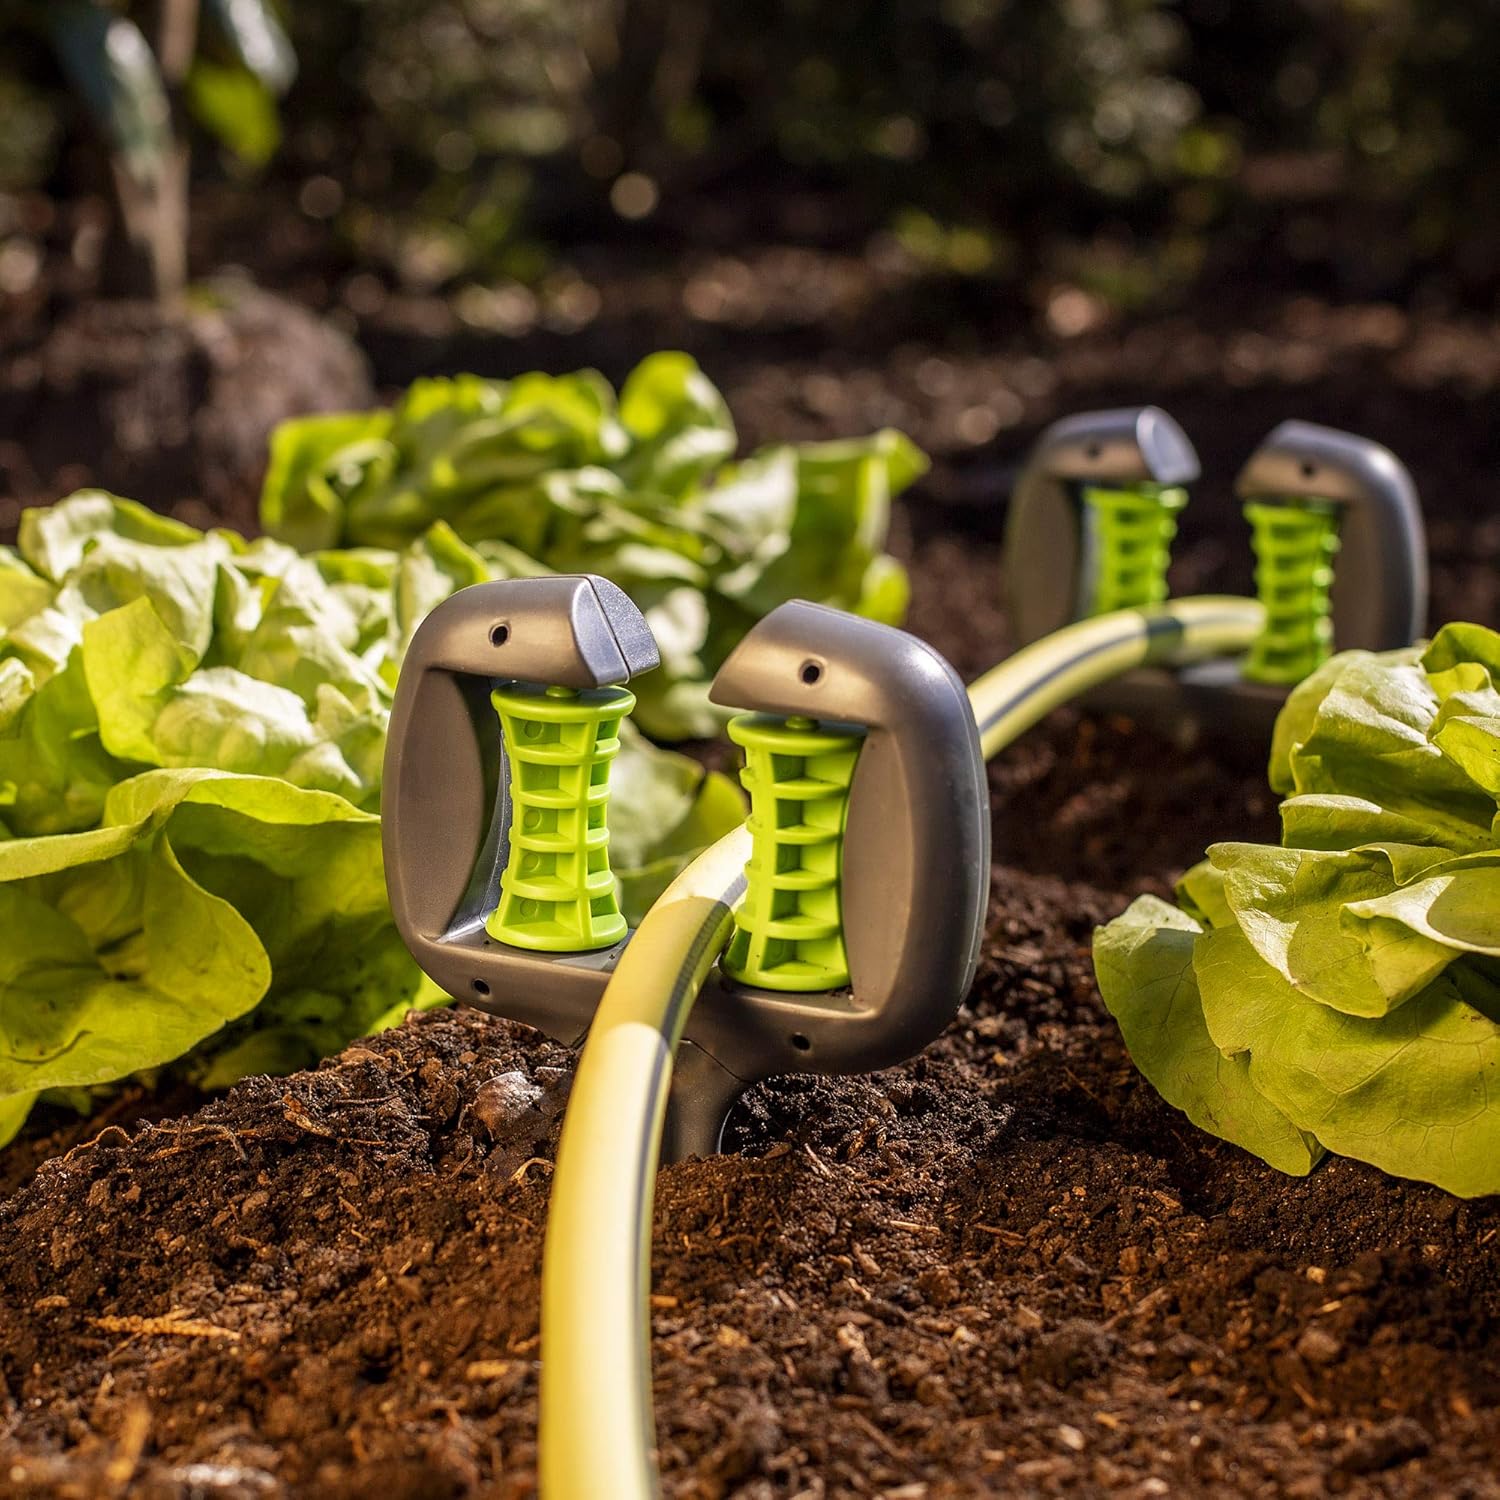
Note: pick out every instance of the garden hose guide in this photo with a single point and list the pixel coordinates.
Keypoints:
(1335, 526)
(846, 699)
(865, 894)
(1059, 554)
(493, 810)
(1379, 587)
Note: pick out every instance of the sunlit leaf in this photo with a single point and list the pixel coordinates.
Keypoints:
(234, 106)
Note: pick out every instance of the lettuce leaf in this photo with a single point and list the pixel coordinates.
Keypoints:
(1351, 974)
(1145, 964)
(127, 947)
(1414, 1093)
(550, 473)
(192, 729)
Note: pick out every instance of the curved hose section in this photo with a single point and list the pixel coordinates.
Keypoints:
(597, 1428)
(1043, 676)
(597, 1425)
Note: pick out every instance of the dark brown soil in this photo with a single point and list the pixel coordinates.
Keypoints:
(1005, 1268)
(170, 407)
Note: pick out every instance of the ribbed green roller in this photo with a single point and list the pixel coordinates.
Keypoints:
(1130, 530)
(789, 931)
(1295, 541)
(557, 893)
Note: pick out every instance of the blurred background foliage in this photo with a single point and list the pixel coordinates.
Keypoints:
(1135, 150)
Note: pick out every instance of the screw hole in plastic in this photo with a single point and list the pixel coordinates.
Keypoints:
(480, 987)
(499, 635)
(800, 1042)
(811, 672)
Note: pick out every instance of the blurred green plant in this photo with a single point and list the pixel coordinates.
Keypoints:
(499, 125)
(548, 473)
(991, 136)
(1122, 145)
(1368, 132)
(218, 63)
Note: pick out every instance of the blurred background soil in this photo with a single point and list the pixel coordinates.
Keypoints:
(961, 217)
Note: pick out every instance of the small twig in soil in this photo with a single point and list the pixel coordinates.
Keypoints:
(1306, 1397)
(210, 1129)
(819, 1166)
(295, 1115)
(1148, 1304)
(876, 1436)
(519, 1174)
(206, 1134)
(134, 1430)
(95, 1140)
(1005, 1236)
(913, 1228)
(1083, 1087)
(172, 1324)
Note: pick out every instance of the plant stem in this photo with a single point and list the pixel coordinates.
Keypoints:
(176, 39)
(154, 216)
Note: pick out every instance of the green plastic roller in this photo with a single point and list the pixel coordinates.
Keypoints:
(1334, 524)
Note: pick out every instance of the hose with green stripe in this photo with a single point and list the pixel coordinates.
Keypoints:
(597, 1424)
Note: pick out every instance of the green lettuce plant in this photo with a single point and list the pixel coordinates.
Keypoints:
(1341, 991)
(550, 473)
(192, 728)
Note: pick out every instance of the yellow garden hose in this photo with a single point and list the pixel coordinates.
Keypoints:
(597, 1425)
(596, 1421)
(1043, 676)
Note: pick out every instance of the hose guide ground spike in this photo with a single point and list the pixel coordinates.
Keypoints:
(836, 702)
(494, 810)
(1334, 522)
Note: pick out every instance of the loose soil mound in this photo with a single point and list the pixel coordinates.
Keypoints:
(1005, 1268)
(172, 407)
